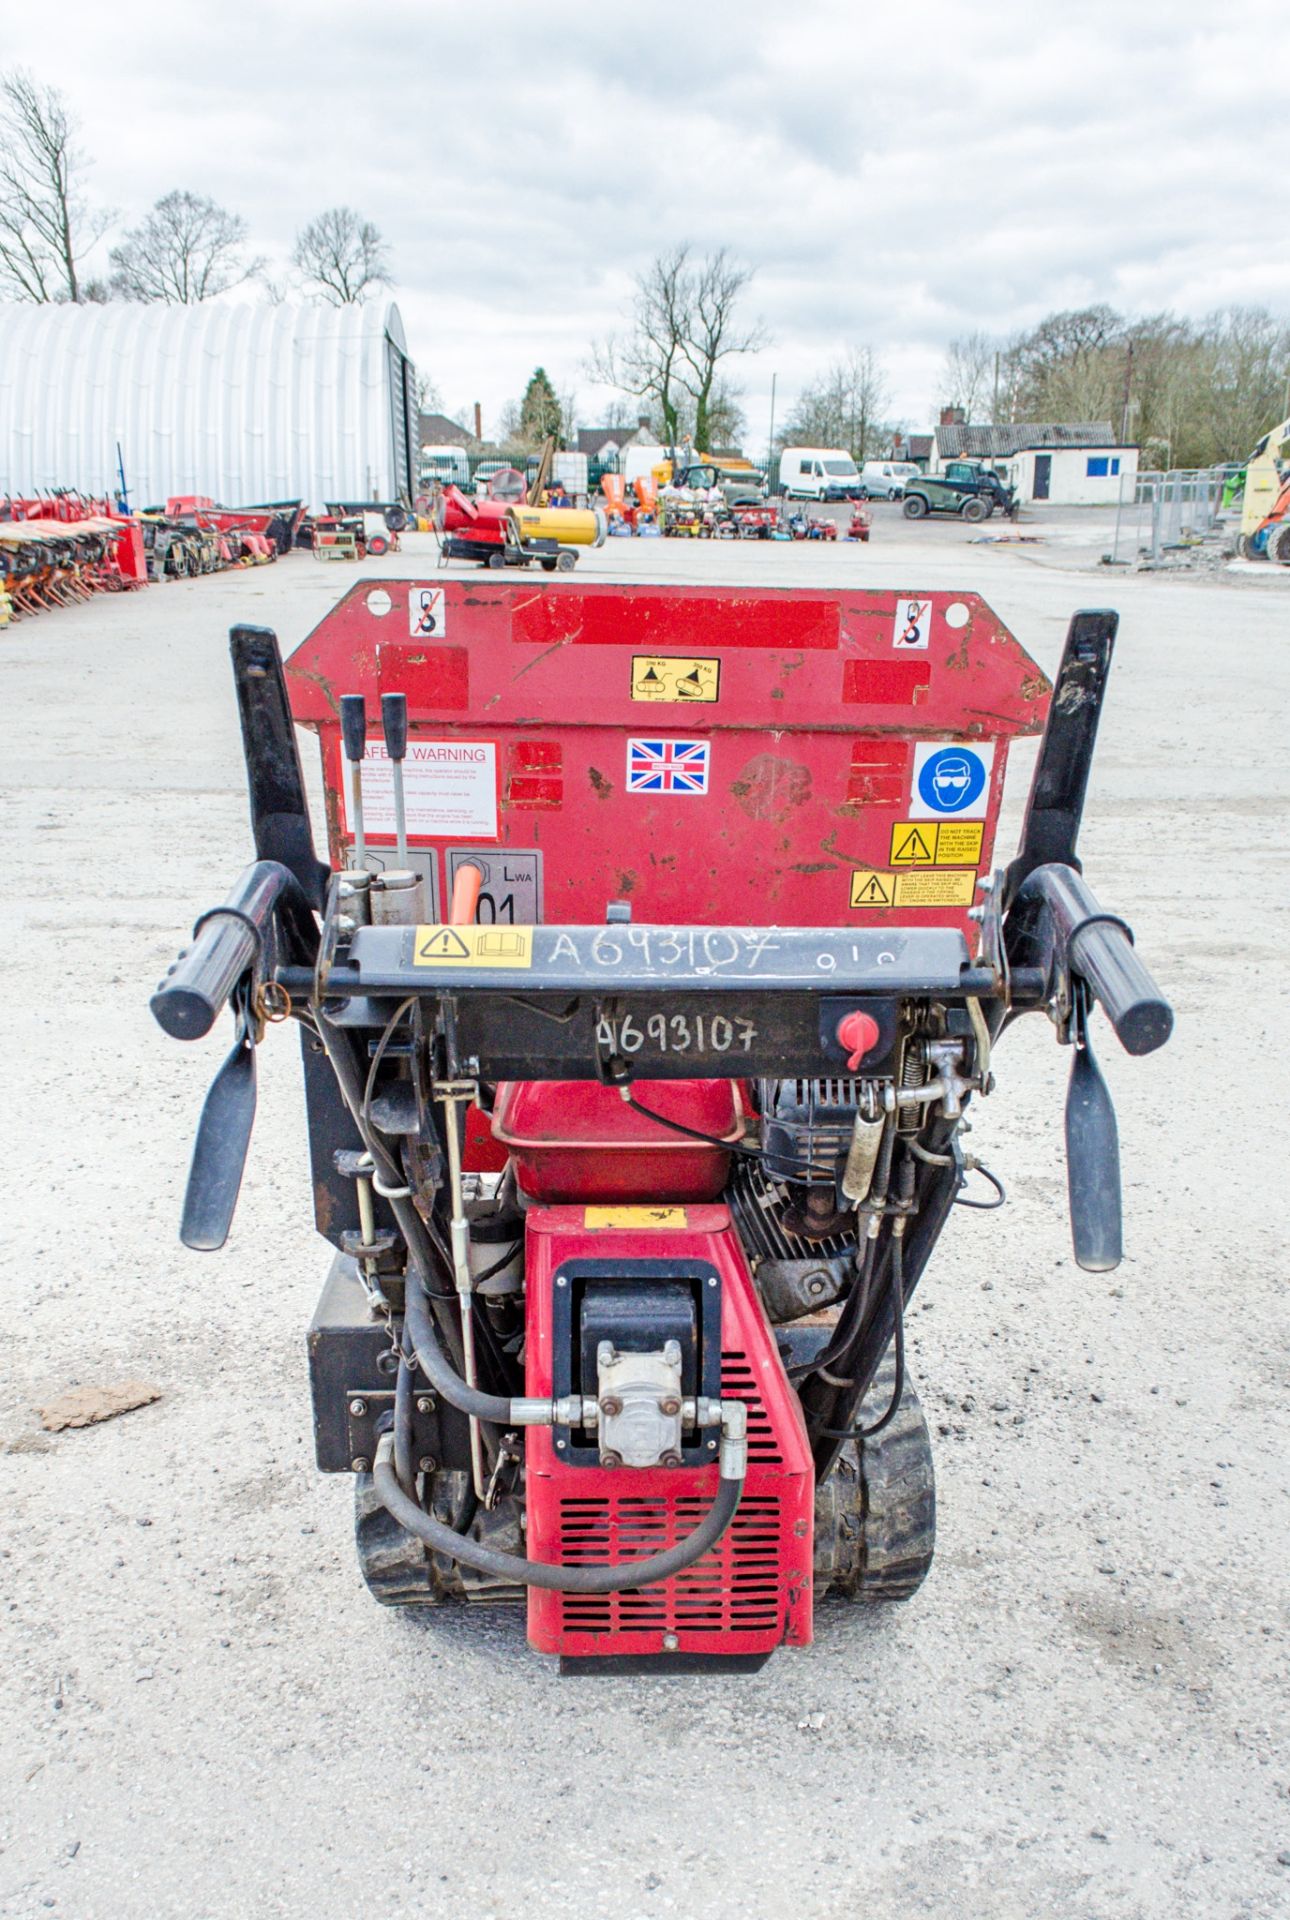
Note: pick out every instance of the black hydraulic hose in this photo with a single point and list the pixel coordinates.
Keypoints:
(649, 1572)
(436, 1366)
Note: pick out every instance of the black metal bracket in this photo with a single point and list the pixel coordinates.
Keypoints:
(279, 811)
(1056, 803)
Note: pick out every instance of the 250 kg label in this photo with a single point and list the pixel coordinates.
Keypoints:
(677, 1033)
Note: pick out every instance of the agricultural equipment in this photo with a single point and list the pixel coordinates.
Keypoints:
(860, 524)
(657, 959)
(502, 529)
(964, 487)
(56, 562)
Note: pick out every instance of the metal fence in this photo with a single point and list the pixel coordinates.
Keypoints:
(1163, 518)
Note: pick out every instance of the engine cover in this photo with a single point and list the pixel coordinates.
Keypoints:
(752, 1592)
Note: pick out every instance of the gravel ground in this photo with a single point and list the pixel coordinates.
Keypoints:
(1083, 1712)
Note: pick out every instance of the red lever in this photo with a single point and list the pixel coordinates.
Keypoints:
(859, 1033)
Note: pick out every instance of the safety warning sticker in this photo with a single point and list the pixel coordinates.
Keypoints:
(936, 843)
(869, 889)
(450, 789)
(656, 677)
(472, 947)
(427, 613)
(912, 628)
(951, 779)
(942, 888)
(650, 1219)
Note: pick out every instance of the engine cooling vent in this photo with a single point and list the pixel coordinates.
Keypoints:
(733, 1589)
(757, 1206)
(738, 1382)
(806, 1127)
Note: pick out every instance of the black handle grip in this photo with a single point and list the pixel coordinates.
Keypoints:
(190, 999)
(1100, 949)
(394, 720)
(353, 725)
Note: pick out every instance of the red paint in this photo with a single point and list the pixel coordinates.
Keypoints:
(578, 1140)
(753, 1591)
(808, 681)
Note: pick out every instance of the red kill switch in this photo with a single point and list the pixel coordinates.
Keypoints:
(858, 1033)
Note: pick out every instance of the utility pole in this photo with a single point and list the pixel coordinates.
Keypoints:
(770, 445)
(1128, 388)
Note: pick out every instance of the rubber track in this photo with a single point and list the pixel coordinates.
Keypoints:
(898, 1489)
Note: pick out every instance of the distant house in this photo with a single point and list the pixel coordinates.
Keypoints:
(1077, 465)
(914, 447)
(437, 430)
(606, 443)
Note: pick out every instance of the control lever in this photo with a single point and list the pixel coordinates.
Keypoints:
(223, 1137)
(353, 728)
(394, 724)
(1092, 1153)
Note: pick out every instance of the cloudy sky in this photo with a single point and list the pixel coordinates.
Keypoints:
(896, 175)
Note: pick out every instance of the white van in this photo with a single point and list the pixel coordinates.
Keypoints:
(887, 479)
(448, 465)
(818, 473)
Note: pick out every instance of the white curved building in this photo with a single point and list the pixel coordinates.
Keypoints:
(241, 403)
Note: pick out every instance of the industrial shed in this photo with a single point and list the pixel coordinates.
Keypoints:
(1082, 464)
(241, 403)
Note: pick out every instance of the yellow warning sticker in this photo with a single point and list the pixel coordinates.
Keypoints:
(650, 1219)
(936, 843)
(943, 888)
(472, 947)
(662, 677)
(869, 889)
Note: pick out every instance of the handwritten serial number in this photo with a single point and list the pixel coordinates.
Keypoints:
(678, 1033)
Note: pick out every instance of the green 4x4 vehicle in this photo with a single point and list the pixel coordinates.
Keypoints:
(964, 487)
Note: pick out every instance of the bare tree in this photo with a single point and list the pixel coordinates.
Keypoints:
(967, 377)
(844, 407)
(712, 334)
(648, 362)
(429, 399)
(46, 225)
(186, 250)
(342, 255)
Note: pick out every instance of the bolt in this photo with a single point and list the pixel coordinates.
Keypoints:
(358, 1464)
(670, 1405)
(611, 1404)
(357, 1408)
(670, 1643)
(560, 1280)
(611, 1459)
(424, 1403)
(815, 1287)
(713, 1281)
(670, 1459)
(425, 1464)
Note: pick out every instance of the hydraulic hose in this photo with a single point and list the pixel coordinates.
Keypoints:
(436, 1366)
(649, 1572)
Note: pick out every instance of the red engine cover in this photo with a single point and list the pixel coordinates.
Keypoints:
(753, 1591)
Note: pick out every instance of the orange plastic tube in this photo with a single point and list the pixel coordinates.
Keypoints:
(465, 894)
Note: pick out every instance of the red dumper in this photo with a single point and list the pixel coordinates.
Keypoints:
(659, 954)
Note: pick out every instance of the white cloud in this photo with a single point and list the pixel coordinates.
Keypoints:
(896, 176)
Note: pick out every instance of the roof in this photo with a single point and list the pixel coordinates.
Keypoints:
(982, 442)
(238, 401)
(592, 439)
(437, 430)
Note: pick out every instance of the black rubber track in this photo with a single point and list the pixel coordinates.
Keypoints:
(898, 1490)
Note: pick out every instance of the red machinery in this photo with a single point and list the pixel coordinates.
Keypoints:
(659, 954)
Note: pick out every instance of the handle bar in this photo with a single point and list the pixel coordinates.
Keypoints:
(227, 941)
(1099, 947)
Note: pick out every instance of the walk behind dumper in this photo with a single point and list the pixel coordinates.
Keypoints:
(657, 962)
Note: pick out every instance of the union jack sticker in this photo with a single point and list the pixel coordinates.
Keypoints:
(667, 766)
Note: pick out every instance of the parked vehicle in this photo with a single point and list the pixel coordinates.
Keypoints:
(448, 465)
(740, 486)
(886, 479)
(966, 487)
(819, 473)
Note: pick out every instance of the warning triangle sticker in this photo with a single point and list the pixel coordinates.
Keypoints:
(872, 890)
(913, 847)
(444, 944)
(650, 675)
